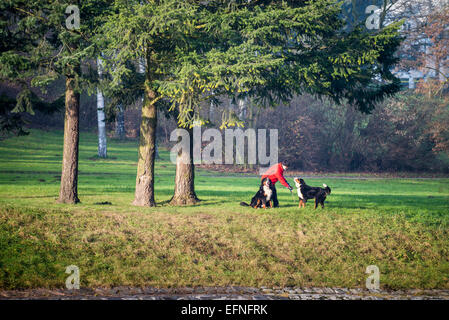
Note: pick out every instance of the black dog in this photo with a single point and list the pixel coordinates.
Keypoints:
(306, 192)
(262, 197)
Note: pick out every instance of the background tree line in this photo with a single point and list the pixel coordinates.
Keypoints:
(406, 133)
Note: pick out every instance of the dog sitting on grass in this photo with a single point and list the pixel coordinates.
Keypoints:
(306, 192)
(263, 197)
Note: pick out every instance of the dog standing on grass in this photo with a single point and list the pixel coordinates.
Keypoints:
(262, 197)
(306, 192)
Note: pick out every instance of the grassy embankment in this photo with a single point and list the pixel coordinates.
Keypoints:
(400, 225)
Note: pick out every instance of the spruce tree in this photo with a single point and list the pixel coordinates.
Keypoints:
(158, 32)
(266, 50)
(45, 43)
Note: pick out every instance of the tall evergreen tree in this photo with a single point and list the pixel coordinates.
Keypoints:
(154, 31)
(47, 42)
(267, 50)
(272, 50)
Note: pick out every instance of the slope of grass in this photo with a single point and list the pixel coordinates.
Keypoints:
(400, 225)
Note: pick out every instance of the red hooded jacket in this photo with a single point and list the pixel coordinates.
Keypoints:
(276, 173)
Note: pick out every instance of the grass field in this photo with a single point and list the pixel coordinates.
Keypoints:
(400, 225)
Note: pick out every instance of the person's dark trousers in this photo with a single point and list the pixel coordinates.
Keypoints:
(274, 197)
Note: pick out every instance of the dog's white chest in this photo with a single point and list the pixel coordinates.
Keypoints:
(268, 192)
(298, 189)
(300, 193)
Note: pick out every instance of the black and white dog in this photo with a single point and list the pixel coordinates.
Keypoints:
(306, 192)
(263, 197)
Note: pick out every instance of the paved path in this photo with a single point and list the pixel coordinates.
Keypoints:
(223, 293)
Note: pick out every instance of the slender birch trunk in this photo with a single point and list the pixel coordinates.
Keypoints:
(211, 110)
(102, 143)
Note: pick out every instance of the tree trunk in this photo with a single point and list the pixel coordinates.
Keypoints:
(69, 178)
(144, 195)
(120, 123)
(242, 113)
(211, 110)
(102, 144)
(185, 177)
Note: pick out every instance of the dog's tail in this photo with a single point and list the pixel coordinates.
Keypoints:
(244, 204)
(328, 190)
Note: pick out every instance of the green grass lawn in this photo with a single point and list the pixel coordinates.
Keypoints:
(400, 225)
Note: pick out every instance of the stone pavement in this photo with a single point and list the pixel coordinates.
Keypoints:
(223, 293)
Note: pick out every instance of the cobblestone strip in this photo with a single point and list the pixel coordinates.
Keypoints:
(223, 293)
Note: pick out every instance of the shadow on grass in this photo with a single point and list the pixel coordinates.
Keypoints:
(376, 201)
(55, 196)
(382, 201)
(345, 201)
(201, 203)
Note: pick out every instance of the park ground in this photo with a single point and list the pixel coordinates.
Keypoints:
(400, 225)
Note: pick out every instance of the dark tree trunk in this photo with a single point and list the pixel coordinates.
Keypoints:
(69, 178)
(144, 195)
(185, 177)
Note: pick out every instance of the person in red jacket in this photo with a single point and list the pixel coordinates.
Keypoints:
(276, 173)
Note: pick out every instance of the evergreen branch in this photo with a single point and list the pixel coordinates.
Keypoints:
(30, 14)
